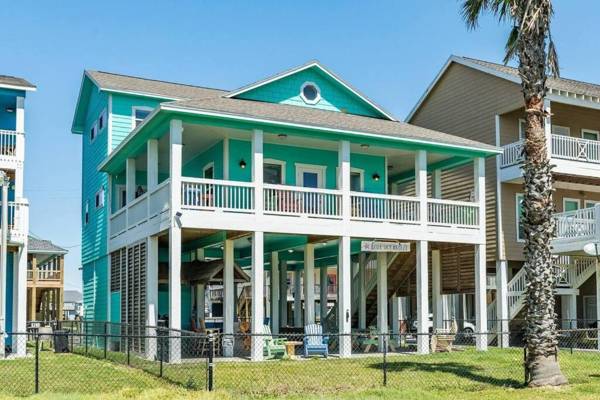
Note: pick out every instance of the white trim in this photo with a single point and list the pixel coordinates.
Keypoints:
(302, 68)
(86, 213)
(100, 193)
(17, 87)
(517, 217)
(109, 123)
(590, 203)
(120, 189)
(566, 199)
(303, 97)
(206, 167)
(522, 131)
(592, 131)
(210, 113)
(140, 108)
(102, 117)
(361, 172)
(320, 170)
(276, 162)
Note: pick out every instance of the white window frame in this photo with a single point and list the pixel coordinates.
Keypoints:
(592, 131)
(102, 117)
(120, 189)
(208, 166)
(136, 108)
(304, 99)
(94, 132)
(518, 217)
(86, 213)
(361, 172)
(100, 196)
(564, 203)
(590, 203)
(566, 128)
(522, 131)
(321, 170)
(277, 162)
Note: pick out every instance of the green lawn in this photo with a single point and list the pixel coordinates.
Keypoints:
(497, 374)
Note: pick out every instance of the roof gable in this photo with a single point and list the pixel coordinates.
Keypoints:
(334, 93)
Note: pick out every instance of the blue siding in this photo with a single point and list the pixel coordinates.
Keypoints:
(122, 114)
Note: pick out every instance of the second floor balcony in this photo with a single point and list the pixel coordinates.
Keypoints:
(12, 148)
(575, 229)
(18, 221)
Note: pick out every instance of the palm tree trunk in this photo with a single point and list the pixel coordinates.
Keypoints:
(540, 334)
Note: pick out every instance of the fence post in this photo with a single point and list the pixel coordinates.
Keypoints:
(160, 354)
(385, 366)
(211, 354)
(37, 363)
(525, 365)
(86, 330)
(105, 338)
(128, 349)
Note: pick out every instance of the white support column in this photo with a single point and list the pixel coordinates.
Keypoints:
(257, 276)
(175, 160)
(226, 158)
(344, 299)
(20, 300)
(548, 126)
(422, 298)
(323, 286)
(382, 300)
(309, 284)
(344, 177)
(130, 180)
(283, 291)
(598, 295)
(152, 164)
(297, 298)
(436, 289)
(480, 298)
(395, 314)
(573, 311)
(362, 292)
(152, 296)
(200, 293)
(480, 256)
(20, 146)
(502, 302)
(421, 184)
(257, 170)
(228, 297)
(275, 297)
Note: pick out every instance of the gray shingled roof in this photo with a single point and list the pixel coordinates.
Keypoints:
(568, 85)
(72, 296)
(326, 119)
(36, 245)
(15, 81)
(169, 90)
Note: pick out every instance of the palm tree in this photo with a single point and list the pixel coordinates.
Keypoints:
(530, 42)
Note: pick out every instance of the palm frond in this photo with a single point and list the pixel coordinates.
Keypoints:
(552, 60)
(511, 45)
(472, 10)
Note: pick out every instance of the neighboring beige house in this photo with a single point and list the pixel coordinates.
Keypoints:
(482, 101)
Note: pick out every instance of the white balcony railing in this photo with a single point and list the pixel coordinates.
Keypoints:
(563, 147)
(452, 213)
(577, 224)
(378, 207)
(17, 220)
(297, 200)
(9, 144)
(216, 194)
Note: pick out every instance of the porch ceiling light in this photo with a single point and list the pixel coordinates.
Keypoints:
(242, 164)
(290, 250)
(376, 177)
(9, 109)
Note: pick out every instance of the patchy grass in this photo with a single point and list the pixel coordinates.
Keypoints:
(497, 374)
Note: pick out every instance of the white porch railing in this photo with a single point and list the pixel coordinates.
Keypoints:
(17, 220)
(574, 148)
(216, 194)
(512, 154)
(296, 200)
(382, 207)
(576, 224)
(159, 199)
(137, 210)
(452, 213)
(8, 143)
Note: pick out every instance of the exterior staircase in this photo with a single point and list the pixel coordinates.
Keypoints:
(570, 272)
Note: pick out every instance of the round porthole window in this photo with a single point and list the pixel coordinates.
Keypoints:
(310, 93)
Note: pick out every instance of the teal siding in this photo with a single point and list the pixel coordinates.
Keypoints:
(186, 303)
(8, 98)
(122, 114)
(95, 289)
(334, 97)
(9, 300)
(115, 307)
(370, 164)
(194, 167)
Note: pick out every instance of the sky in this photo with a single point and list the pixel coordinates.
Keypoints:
(389, 50)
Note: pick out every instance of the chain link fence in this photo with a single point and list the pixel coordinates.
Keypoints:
(103, 358)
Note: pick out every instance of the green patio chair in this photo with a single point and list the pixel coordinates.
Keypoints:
(372, 339)
(273, 347)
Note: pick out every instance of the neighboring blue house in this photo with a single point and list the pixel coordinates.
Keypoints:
(13, 281)
(185, 186)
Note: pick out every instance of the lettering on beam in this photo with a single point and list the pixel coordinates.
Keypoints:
(384, 247)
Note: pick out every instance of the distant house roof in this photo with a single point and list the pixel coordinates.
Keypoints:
(560, 89)
(13, 82)
(40, 246)
(150, 87)
(73, 296)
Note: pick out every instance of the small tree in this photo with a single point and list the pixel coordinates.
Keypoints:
(530, 42)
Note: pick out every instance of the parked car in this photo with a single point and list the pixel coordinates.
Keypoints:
(468, 327)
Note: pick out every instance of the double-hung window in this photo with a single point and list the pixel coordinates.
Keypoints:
(99, 198)
(139, 114)
(519, 213)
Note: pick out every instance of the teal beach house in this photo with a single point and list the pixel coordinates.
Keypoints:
(271, 191)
